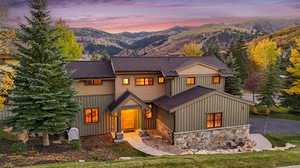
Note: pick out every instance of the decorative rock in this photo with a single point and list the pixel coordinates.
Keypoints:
(125, 158)
(73, 134)
(118, 137)
(81, 161)
(57, 142)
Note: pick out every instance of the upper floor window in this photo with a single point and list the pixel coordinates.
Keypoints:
(214, 120)
(161, 80)
(125, 81)
(216, 80)
(144, 81)
(93, 82)
(191, 81)
(91, 115)
(148, 114)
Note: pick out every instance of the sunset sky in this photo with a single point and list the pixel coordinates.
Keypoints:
(152, 15)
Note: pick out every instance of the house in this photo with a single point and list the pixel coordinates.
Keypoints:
(183, 98)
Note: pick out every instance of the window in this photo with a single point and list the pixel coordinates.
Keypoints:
(91, 115)
(216, 80)
(214, 120)
(93, 82)
(148, 114)
(125, 81)
(144, 81)
(191, 80)
(161, 80)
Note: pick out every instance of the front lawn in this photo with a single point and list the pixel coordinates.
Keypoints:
(287, 116)
(265, 159)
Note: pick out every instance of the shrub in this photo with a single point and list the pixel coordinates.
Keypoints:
(18, 147)
(96, 157)
(280, 109)
(76, 144)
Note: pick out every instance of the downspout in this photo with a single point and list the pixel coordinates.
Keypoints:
(174, 128)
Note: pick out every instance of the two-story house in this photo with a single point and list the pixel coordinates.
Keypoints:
(182, 97)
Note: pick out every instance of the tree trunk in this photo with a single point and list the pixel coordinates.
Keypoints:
(46, 139)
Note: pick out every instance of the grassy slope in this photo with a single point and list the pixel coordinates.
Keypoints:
(245, 160)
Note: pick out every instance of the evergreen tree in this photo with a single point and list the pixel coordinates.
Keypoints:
(233, 83)
(270, 85)
(42, 99)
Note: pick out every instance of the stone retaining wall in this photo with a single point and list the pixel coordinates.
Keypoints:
(211, 139)
(164, 130)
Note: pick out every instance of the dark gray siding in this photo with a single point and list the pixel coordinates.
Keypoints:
(179, 85)
(105, 124)
(165, 117)
(193, 116)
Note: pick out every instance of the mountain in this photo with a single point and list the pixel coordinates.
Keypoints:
(170, 41)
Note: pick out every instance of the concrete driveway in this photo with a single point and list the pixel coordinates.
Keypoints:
(274, 126)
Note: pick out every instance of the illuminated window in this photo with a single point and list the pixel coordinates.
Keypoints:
(125, 81)
(216, 80)
(93, 82)
(91, 115)
(144, 81)
(161, 80)
(148, 114)
(214, 120)
(191, 80)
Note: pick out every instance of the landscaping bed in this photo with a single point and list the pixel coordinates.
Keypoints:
(94, 148)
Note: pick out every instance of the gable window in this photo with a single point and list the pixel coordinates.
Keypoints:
(216, 80)
(148, 113)
(144, 81)
(93, 82)
(191, 81)
(91, 115)
(125, 81)
(214, 120)
(161, 80)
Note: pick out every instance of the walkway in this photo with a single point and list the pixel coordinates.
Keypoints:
(135, 141)
(274, 126)
(261, 142)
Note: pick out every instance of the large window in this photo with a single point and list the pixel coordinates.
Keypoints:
(216, 80)
(91, 115)
(144, 81)
(161, 80)
(93, 82)
(148, 114)
(191, 81)
(214, 120)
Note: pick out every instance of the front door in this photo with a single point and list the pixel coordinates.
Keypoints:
(129, 118)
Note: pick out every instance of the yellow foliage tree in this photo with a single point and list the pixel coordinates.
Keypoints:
(294, 69)
(192, 49)
(7, 83)
(6, 37)
(265, 53)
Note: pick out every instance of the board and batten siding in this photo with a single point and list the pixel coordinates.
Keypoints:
(165, 117)
(193, 116)
(106, 121)
(179, 85)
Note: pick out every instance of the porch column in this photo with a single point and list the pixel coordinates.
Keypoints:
(143, 132)
(118, 133)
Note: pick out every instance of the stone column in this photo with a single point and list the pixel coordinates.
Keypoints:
(118, 133)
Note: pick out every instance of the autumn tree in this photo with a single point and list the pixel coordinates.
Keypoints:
(67, 40)
(293, 90)
(6, 85)
(192, 49)
(42, 99)
(252, 83)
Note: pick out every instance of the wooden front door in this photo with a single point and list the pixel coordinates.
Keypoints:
(129, 119)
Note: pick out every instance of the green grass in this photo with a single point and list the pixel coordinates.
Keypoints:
(266, 159)
(125, 150)
(7, 136)
(287, 116)
(281, 140)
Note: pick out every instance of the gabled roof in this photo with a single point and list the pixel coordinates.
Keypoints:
(166, 65)
(124, 98)
(169, 103)
(90, 69)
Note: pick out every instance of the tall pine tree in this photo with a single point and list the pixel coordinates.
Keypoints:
(42, 99)
(233, 83)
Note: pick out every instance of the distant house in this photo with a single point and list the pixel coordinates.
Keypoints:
(181, 97)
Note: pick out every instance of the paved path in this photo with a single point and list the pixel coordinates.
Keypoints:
(261, 142)
(135, 141)
(274, 126)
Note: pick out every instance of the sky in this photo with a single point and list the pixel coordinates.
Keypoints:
(152, 15)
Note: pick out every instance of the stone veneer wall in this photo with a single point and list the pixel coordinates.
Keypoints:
(164, 130)
(212, 139)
